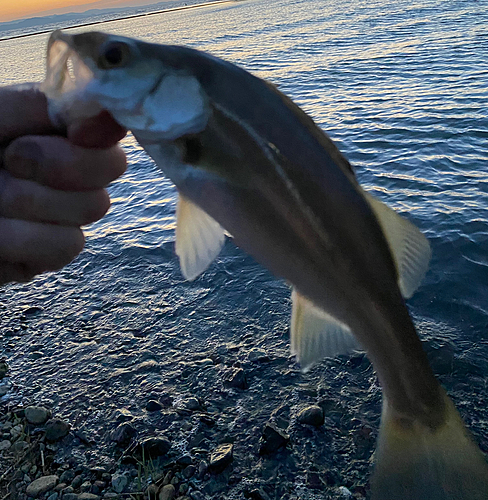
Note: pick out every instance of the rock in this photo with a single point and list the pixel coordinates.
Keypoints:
(189, 471)
(312, 415)
(37, 415)
(167, 492)
(76, 483)
(4, 388)
(273, 439)
(19, 447)
(257, 356)
(152, 492)
(41, 485)
(3, 369)
(123, 434)
(86, 487)
(190, 404)
(5, 445)
(314, 482)
(56, 429)
(88, 496)
(344, 492)
(258, 494)
(197, 495)
(221, 457)
(236, 378)
(53, 496)
(119, 482)
(70, 496)
(67, 476)
(202, 469)
(153, 405)
(155, 447)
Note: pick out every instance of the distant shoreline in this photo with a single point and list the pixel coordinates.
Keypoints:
(132, 16)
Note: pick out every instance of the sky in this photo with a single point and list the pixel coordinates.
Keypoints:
(18, 9)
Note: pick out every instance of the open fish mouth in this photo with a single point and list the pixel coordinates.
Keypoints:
(67, 77)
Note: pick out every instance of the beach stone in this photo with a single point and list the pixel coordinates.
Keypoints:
(273, 439)
(344, 492)
(155, 446)
(67, 476)
(123, 433)
(41, 485)
(221, 457)
(257, 356)
(152, 492)
(3, 369)
(236, 378)
(167, 492)
(191, 404)
(258, 494)
(76, 483)
(53, 496)
(56, 429)
(5, 445)
(70, 496)
(119, 482)
(189, 471)
(37, 415)
(202, 469)
(86, 486)
(197, 495)
(153, 405)
(312, 415)
(88, 496)
(19, 447)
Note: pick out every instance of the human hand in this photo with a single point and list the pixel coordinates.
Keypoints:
(50, 185)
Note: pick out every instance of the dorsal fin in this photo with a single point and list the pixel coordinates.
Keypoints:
(409, 247)
(199, 238)
(315, 334)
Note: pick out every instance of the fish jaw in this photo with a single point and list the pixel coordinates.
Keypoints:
(143, 95)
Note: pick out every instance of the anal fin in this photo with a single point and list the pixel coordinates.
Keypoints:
(315, 334)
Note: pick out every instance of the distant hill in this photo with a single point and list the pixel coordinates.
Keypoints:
(32, 25)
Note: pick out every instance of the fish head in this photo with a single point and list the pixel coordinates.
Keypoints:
(90, 72)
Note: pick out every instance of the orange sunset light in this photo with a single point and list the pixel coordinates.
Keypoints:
(17, 9)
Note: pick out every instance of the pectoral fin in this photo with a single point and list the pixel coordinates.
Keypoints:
(315, 334)
(199, 238)
(409, 247)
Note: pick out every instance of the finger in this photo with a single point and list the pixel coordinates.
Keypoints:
(55, 162)
(101, 131)
(44, 247)
(24, 111)
(28, 200)
(15, 272)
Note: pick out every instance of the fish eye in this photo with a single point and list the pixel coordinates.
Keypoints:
(114, 55)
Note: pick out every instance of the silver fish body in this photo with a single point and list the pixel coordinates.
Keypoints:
(257, 166)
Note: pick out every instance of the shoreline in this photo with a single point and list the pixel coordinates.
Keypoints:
(132, 16)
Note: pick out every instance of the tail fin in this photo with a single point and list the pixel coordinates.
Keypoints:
(418, 463)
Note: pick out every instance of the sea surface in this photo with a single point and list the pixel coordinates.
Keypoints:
(401, 87)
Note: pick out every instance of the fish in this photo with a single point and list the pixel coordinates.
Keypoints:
(248, 162)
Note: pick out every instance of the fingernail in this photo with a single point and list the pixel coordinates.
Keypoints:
(23, 158)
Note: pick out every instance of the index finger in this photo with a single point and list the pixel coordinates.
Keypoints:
(24, 112)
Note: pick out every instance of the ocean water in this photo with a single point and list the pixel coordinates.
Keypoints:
(401, 87)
